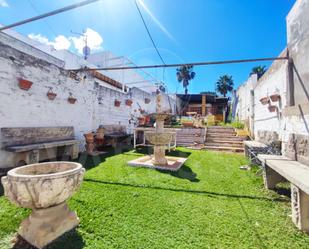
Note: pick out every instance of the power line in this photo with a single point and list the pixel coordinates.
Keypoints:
(149, 34)
(206, 63)
(51, 13)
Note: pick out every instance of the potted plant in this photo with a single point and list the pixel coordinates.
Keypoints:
(50, 94)
(117, 103)
(147, 100)
(24, 84)
(275, 97)
(142, 111)
(141, 121)
(129, 102)
(272, 108)
(264, 100)
(71, 99)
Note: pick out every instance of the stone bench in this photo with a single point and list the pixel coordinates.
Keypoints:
(34, 144)
(285, 168)
(113, 134)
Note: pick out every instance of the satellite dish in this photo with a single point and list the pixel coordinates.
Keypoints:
(86, 52)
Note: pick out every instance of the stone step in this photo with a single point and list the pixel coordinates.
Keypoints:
(222, 148)
(210, 135)
(220, 144)
(240, 142)
(219, 128)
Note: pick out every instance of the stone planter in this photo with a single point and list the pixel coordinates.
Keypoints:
(129, 102)
(264, 100)
(117, 103)
(45, 188)
(272, 108)
(275, 97)
(24, 84)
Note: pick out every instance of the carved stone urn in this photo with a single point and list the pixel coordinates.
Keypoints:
(45, 188)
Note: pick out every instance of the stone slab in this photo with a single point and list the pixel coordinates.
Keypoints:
(254, 144)
(295, 172)
(173, 163)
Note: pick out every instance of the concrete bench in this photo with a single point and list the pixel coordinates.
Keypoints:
(34, 144)
(284, 168)
(113, 134)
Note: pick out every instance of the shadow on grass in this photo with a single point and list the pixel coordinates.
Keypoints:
(70, 240)
(257, 234)
(1, 189)
(184, 172)
(90, 162)
(207, 193)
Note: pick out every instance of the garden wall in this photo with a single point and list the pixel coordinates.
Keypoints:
(95, 98)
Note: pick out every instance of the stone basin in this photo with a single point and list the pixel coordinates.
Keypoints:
(43, 185)
(159, 138)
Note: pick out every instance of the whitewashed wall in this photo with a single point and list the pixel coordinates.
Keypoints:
(274, 81)
(95, 99)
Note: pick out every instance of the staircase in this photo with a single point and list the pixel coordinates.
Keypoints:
(190, 136)
(223, 139)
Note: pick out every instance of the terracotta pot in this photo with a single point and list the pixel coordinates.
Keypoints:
(72, 100)
(272, 108)
(275, 97)
(24, 84)
(147, 101)
(117, 103)
(264, 100)
(100, 133)
(89, 137)
(129, 102)
(187, 124)
(51, 95)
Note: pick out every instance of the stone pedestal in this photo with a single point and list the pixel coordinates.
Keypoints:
(300, 208)
(159, 155)
(45, 225)
(271, 177)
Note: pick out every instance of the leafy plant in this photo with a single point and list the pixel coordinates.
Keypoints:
(259, 71)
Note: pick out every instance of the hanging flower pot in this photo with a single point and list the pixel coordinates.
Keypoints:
(51, 95)
(275, 97)
(71, 99)
(147, 100)
(117, 103)
(272, 108)
(129, 102)
(24, 84)
(264, 100)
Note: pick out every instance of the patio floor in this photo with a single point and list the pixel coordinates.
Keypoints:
(208, 203)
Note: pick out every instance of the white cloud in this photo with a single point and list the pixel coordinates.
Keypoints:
(3, 3)
(60, 42)
(94, 40)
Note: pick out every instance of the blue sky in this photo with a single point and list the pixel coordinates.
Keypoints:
(184, 31)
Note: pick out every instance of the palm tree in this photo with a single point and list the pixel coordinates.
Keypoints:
(259, 71)
(224, 84)
(185, 74)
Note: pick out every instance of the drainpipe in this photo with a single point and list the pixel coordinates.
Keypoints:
(290, 82)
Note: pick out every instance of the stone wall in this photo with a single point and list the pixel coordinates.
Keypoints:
(32, 108)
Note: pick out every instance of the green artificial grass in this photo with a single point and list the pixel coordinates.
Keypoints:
(208, 203)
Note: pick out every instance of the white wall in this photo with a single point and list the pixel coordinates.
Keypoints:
(95, 99)
(274, 81)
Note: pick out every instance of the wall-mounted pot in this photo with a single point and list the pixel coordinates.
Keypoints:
(264, 100)
(51, 95)
(272, 108)
(117, 103)
(275, 97)
(24, 84)
(147, 100)
(129, 102)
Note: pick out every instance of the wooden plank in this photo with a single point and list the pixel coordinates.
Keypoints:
(38, 146)
(295, 172)
(32, 135)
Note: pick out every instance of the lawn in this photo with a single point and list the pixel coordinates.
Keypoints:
(209, 203)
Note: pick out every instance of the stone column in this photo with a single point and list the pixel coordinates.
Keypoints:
(271, 177)
(159, 155)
